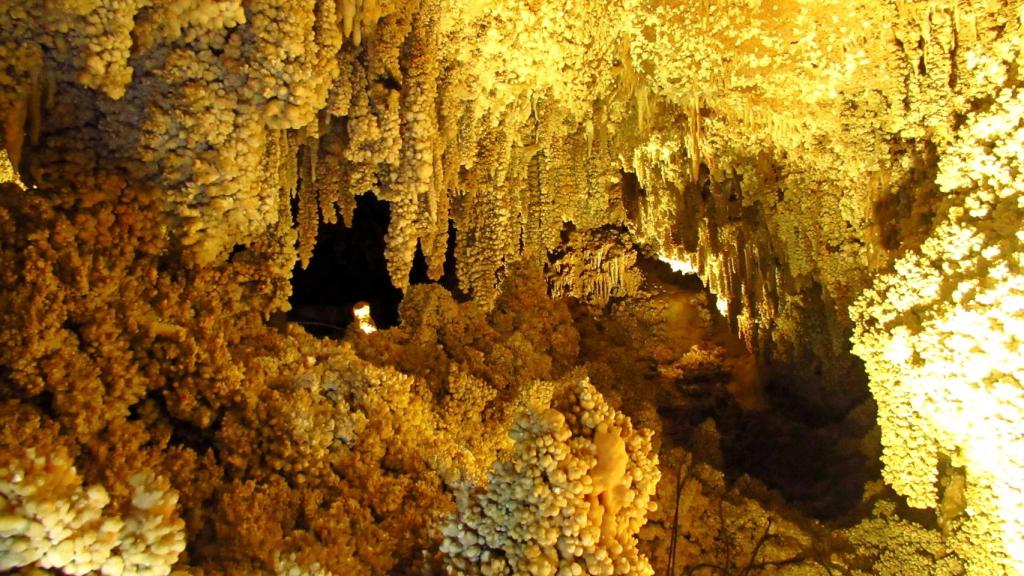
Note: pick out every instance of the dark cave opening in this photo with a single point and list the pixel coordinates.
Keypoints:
(818, 464)
(347, 267)
(632, 195)
(812, 442)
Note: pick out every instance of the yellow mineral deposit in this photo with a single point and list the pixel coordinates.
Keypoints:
(680, 265)
(844, 177)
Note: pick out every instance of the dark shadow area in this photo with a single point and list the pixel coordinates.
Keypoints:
(632, 195)
(448, 279)
(821, 470)
(347, 267)
(153, 407)
(904, 219)
(819, 462)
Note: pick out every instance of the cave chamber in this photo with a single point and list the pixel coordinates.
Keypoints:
(452, 287)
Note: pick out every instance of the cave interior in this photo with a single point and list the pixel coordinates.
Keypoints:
(691, 287)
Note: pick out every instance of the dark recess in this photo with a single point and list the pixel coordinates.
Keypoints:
(632, 196)
(348, 266)
(812, 457)
(818, 469)
(448, 280)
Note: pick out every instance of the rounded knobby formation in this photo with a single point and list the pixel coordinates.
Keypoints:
(569, 502)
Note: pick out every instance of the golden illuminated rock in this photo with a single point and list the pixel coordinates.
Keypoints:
(569, 502)
(843, 177)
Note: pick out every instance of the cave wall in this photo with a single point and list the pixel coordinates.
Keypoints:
(821, 164)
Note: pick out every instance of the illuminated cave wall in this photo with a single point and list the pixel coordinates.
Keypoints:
(832, 170)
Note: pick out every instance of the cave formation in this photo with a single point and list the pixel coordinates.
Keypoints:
(676, 288)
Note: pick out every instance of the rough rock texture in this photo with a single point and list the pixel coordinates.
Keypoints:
(570, 500)
(942, 334)
(51, 520)
(594, 267)
(707, 523)
(831, 168)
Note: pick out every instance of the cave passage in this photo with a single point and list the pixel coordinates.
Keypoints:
(347, 267)
(814, 461)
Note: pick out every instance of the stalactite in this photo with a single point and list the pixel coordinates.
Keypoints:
(594, 267)
(412, 190)
(14, 130)
(308, 215)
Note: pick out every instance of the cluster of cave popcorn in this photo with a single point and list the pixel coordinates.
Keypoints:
(570, 501)
(49, 519)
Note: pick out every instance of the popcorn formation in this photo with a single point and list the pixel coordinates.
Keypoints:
(570, 501)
